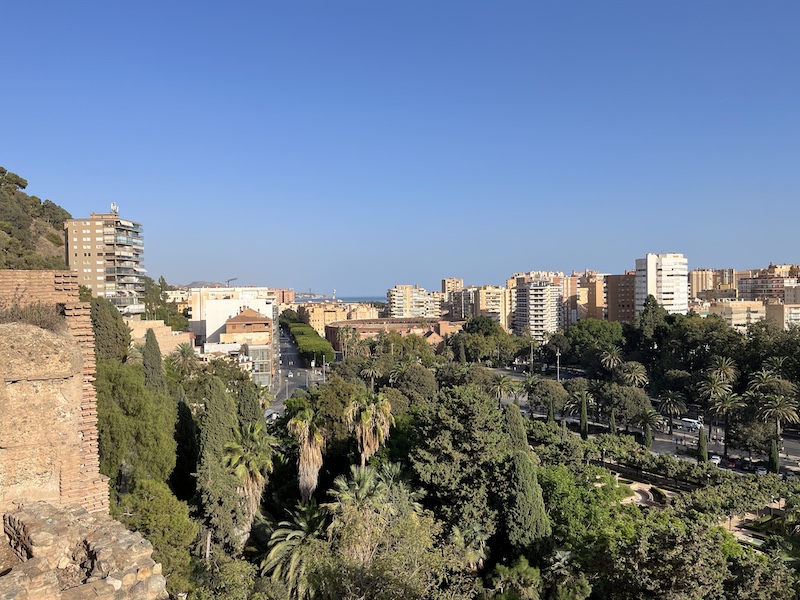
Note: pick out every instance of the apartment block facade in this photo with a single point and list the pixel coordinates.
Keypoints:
(665, 277)
(538, 309)
(108, 254)
(621, 297)
(739, 314)
(412, 301)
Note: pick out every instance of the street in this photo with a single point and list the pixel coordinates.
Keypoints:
(291, 374)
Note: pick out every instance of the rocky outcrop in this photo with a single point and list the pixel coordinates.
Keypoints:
(67, 553)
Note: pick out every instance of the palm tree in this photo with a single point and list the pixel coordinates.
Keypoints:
(360, 511)
(473, 541)
(311, 443)
(289, 546)
(712, 387)
(398, 493)
(501, 386)
(185, 360)
(371, 370)
(250, 458)
(611, 359)
(634, 374)
(398, 371)
(763, 381)
(370, 418)
(724, 406)
(516, 391)
(778, 365)
(724, 368)
(648, 419)
(671, 405)
(778, 407)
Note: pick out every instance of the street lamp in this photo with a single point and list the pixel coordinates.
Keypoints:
(558, 364)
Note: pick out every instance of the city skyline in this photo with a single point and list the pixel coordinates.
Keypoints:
(355, 147)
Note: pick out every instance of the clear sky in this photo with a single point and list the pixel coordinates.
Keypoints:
(358, 145)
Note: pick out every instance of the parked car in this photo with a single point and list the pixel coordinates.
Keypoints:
(728, 463)
(716, 459)
(789, 474)
(761, 470)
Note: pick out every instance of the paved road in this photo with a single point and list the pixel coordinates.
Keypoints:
(291, 374)
(681, 439)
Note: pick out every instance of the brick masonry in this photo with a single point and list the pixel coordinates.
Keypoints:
(76, 467)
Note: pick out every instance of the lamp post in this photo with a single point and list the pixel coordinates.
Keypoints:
(558, 364)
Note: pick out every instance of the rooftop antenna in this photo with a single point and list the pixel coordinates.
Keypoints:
(228, 281)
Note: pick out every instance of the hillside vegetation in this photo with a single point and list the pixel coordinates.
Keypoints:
(31, 231)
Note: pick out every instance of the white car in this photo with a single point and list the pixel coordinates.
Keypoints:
(761, 471)
(716, 459)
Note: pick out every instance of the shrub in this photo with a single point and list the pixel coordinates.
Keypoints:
(46, 316)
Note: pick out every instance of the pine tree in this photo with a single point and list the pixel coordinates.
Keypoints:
(216, 484)
(702, 446)
(155, 377)
(527, 522)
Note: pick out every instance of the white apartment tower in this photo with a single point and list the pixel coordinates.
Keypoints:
(538, 309)
(665, 277)
(107, 252)
(411, 301)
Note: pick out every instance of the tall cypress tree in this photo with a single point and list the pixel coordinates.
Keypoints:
(182, 480)
(515, 428)
(612, 423)
(584, 418)
(112, 337)
(155, 377)
(216, 485)
(526, 520)
(774, 460)
(702, 446)
(249, 408)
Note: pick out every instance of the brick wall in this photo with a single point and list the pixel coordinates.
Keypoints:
(79, 475)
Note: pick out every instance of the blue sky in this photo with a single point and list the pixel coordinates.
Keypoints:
(358, 145)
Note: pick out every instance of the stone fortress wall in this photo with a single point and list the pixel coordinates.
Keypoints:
(59, 542)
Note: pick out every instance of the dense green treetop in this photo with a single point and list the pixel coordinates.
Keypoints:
(31, 231)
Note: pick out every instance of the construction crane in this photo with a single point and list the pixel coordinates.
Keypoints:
(228, 281)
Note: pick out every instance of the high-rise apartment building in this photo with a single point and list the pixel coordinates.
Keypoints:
(107, 252)
(411, 301)
(620, 297)
(482, 301)
(452, 284)
(665, 277)
(538, 309)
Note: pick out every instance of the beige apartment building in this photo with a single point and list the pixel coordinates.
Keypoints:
(783, 315)
(482, 301)
(739, 314)
(320, 314)
(592, 295)
(108, 254)
(413, 302)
